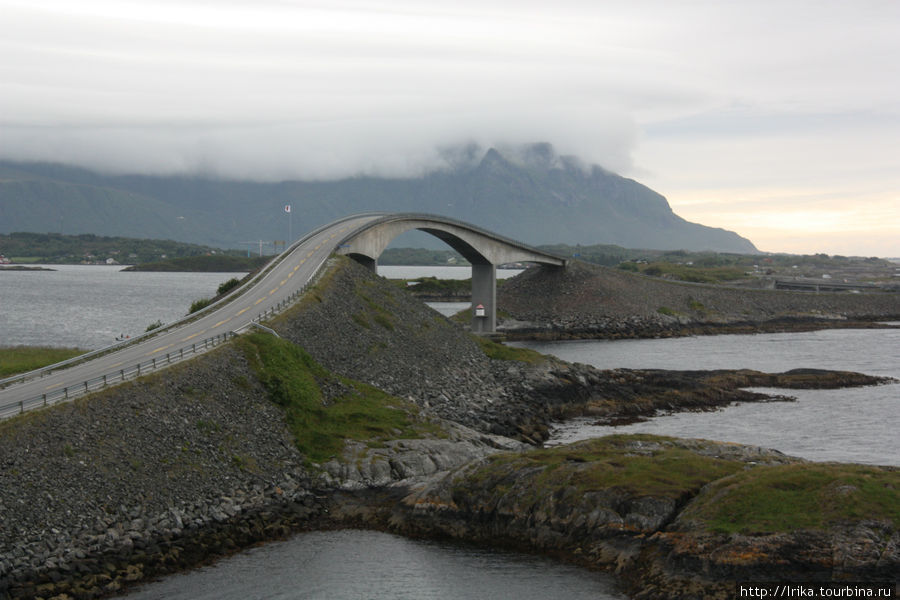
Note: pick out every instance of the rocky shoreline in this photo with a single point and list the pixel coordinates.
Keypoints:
(176, 469)
(587, 301)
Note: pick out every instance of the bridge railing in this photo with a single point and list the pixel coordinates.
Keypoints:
(70, 392)
(64, 394)
(235, 293)
(457, 222)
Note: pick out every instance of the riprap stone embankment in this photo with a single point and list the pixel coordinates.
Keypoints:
(170, 470)
(591, 301)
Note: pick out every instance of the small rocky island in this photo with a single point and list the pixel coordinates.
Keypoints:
(356, 417)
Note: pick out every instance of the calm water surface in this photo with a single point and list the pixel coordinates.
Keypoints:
(359, 565)
(88, 306)
(851, 425)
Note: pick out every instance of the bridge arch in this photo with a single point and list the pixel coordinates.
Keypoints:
(483, 249)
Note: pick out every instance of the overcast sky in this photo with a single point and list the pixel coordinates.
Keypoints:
(778, 119)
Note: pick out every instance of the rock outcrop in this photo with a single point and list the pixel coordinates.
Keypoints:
(167, 471)
(629, 504)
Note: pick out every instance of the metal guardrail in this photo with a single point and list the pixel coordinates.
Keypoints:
(67, 393)
(112, 378)
(235, 293)
(143, 368)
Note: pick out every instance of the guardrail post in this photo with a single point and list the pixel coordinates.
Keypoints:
(85, 387)
(66, 393)
(104, 381)
(45, 399)
(122, 371)
(154, 364)
(139, 369)
(181, 354)
(21, 406)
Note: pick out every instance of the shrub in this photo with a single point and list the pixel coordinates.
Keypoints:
(227, 286)
(199, 305)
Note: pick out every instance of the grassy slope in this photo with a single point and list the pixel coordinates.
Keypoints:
(608, 462)
(21, 359)
(735, 499)
(321, 422)
(804, 496)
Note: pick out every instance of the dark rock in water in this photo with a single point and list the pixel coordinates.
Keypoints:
(168, 471)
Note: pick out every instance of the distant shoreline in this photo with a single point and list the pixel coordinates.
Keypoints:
(23, 268)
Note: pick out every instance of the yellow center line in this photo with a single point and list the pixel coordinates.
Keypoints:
(283, 281)
(291, 274)
(160, 349)
(220, 322)
(55, 385)
(118, 364)
(191, 337)
(272, 291)
(258, 301)
(298, 266)
(242, 311)
(309, 254)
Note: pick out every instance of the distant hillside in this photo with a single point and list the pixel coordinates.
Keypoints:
(534, 196)
(58, 248)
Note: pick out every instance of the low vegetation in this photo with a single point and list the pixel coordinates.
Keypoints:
(609, 462)
(22, 359)
(322, 421)
(57, 248)
(692, 273)
(205, 263)
(420, 257)
(198, 305)
(500, 351)
(805, 496)
(437, 288)
(725, 495)
(227, 286)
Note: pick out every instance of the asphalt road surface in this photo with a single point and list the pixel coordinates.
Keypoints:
(297, 268)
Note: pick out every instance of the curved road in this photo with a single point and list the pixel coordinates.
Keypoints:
(297, 267)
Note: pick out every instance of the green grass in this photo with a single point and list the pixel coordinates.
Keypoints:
(806, 496)
(692, 273)
(611, 462)
(21, 359)
(321, 427)
(200, 304)
(500, 351)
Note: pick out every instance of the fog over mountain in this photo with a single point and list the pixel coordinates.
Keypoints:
(527, 192)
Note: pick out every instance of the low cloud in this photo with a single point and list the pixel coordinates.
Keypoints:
(682, 96)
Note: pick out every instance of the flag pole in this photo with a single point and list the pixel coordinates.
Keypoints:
(287, 209)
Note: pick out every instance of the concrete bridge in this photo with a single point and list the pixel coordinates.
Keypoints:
(273, 290)
(483, 249)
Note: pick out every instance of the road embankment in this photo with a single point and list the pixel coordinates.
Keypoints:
(262, 437)
(590, 301)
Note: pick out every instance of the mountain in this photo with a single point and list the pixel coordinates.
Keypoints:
(529, 193)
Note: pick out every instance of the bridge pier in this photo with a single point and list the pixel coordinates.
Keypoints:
(483, 249)
(484, 293)
(366, 261)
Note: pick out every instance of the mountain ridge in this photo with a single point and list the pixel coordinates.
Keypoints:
(529, 193)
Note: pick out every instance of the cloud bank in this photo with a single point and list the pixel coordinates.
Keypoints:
(710, 103)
